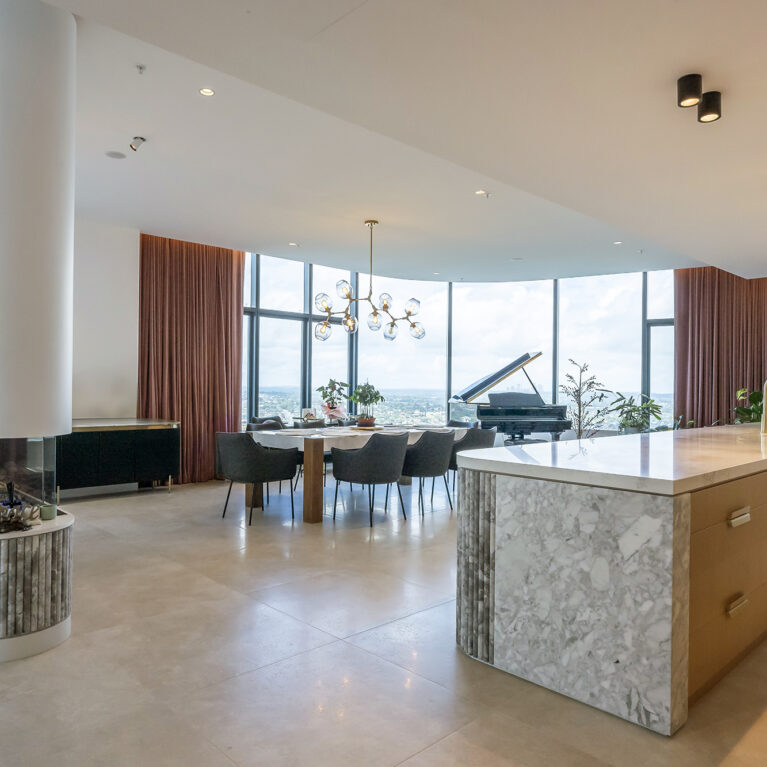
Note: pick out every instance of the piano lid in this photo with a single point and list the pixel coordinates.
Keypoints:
(470, 393)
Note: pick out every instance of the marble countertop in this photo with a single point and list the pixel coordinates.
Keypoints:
(664, 463)
(118, 424)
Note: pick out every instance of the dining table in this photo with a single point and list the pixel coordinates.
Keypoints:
(313, 443)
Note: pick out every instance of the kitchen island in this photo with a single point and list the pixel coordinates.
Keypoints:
(629, 572)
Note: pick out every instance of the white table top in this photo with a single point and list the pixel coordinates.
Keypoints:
(341, 437)
(664, 463)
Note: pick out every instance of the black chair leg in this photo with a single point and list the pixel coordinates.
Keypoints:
(335, 499)
(401, 502)
(281, 486)
(432, 491)
(228, 493)
(447, 490)
(292, 507)
(374, 496)
(267, 492)
(252, 498)
(386, 501)
(455, 471)
(420, 494)
(370, 501)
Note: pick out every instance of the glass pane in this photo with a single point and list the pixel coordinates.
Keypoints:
(324, 279)
(410, 373)
(279, 368)
(660, 294)
(282, 284)
(600, 323)
(662, 370)
(245, 367)
(329, 360)
(493, 324)
(248, 292)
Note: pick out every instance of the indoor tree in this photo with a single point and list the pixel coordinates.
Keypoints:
(586, 393)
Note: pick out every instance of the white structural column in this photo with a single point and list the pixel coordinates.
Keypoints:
(37, 122)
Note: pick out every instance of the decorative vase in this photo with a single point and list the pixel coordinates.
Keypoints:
(48, 511)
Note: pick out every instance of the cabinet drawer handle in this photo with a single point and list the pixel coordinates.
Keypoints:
(736, 604)
(739, 517)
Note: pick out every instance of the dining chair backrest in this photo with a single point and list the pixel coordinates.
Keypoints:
(463, 424)
(378, 462)
(241, 459)
(430, 455)
(264, 426)
(278, 419)
(474, 439)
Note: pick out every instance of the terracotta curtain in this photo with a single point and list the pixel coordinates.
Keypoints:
(190, 344)
(720, 340)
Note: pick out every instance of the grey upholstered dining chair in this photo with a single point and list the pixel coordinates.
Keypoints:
(430, 457)
(474, 439)
(378, 462)
(463, 424)
(241, 459)
(262, 419)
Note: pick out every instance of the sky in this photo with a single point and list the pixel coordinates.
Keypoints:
(600, 321)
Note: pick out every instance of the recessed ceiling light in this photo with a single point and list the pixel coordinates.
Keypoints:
(116, 155)
(207, 92)
(293, 244)
(482, 193)
(618, 242)
(517, 258)
(435, 272)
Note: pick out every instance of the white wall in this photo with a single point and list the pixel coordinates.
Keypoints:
(105, 371)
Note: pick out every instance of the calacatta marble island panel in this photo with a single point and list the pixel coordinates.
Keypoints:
(575, 567)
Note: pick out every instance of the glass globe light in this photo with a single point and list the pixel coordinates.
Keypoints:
(344, 289)
(374, 320)
(322, 302)
(350, 324)
(390, 331)
(384, 301)
(412, 306)
(322, 331)
(416, 330)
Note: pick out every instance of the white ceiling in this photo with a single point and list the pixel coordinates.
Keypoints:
(571, 101)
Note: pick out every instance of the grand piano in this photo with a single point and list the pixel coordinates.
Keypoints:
(516, 414)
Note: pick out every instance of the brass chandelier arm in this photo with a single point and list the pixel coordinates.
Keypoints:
(322, 331)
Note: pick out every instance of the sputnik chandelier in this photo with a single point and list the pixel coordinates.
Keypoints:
(376, 319)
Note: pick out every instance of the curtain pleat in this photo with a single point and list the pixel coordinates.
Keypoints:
(720, 342)
(190, 348)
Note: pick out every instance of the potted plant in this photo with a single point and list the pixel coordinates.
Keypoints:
(751, 412)
(366, 396)
(333, 393)
(635, 416)
(586, 394)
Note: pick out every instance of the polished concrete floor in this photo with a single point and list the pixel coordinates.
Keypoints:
(199, 641)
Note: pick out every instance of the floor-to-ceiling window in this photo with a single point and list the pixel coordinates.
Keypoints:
(659, 340)
(495, 323)
(621, 325)
(411, 374)
(330, 357)
(600, 324)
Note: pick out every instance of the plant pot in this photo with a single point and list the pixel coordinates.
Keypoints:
(631, 430)
(366, 420)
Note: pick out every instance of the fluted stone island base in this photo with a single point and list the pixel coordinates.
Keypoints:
(35, 588)
(626, 572)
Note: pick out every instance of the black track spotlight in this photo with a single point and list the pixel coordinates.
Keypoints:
(710, 107)
(688, 90)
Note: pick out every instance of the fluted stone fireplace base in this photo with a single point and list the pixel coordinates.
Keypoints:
(35, 588)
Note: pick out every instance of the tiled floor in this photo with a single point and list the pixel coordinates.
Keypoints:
(198, 641)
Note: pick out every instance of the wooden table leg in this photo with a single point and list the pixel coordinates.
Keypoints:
(314, 452)
(258, 499)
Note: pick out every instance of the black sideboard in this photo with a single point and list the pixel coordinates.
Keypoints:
(117, 451)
